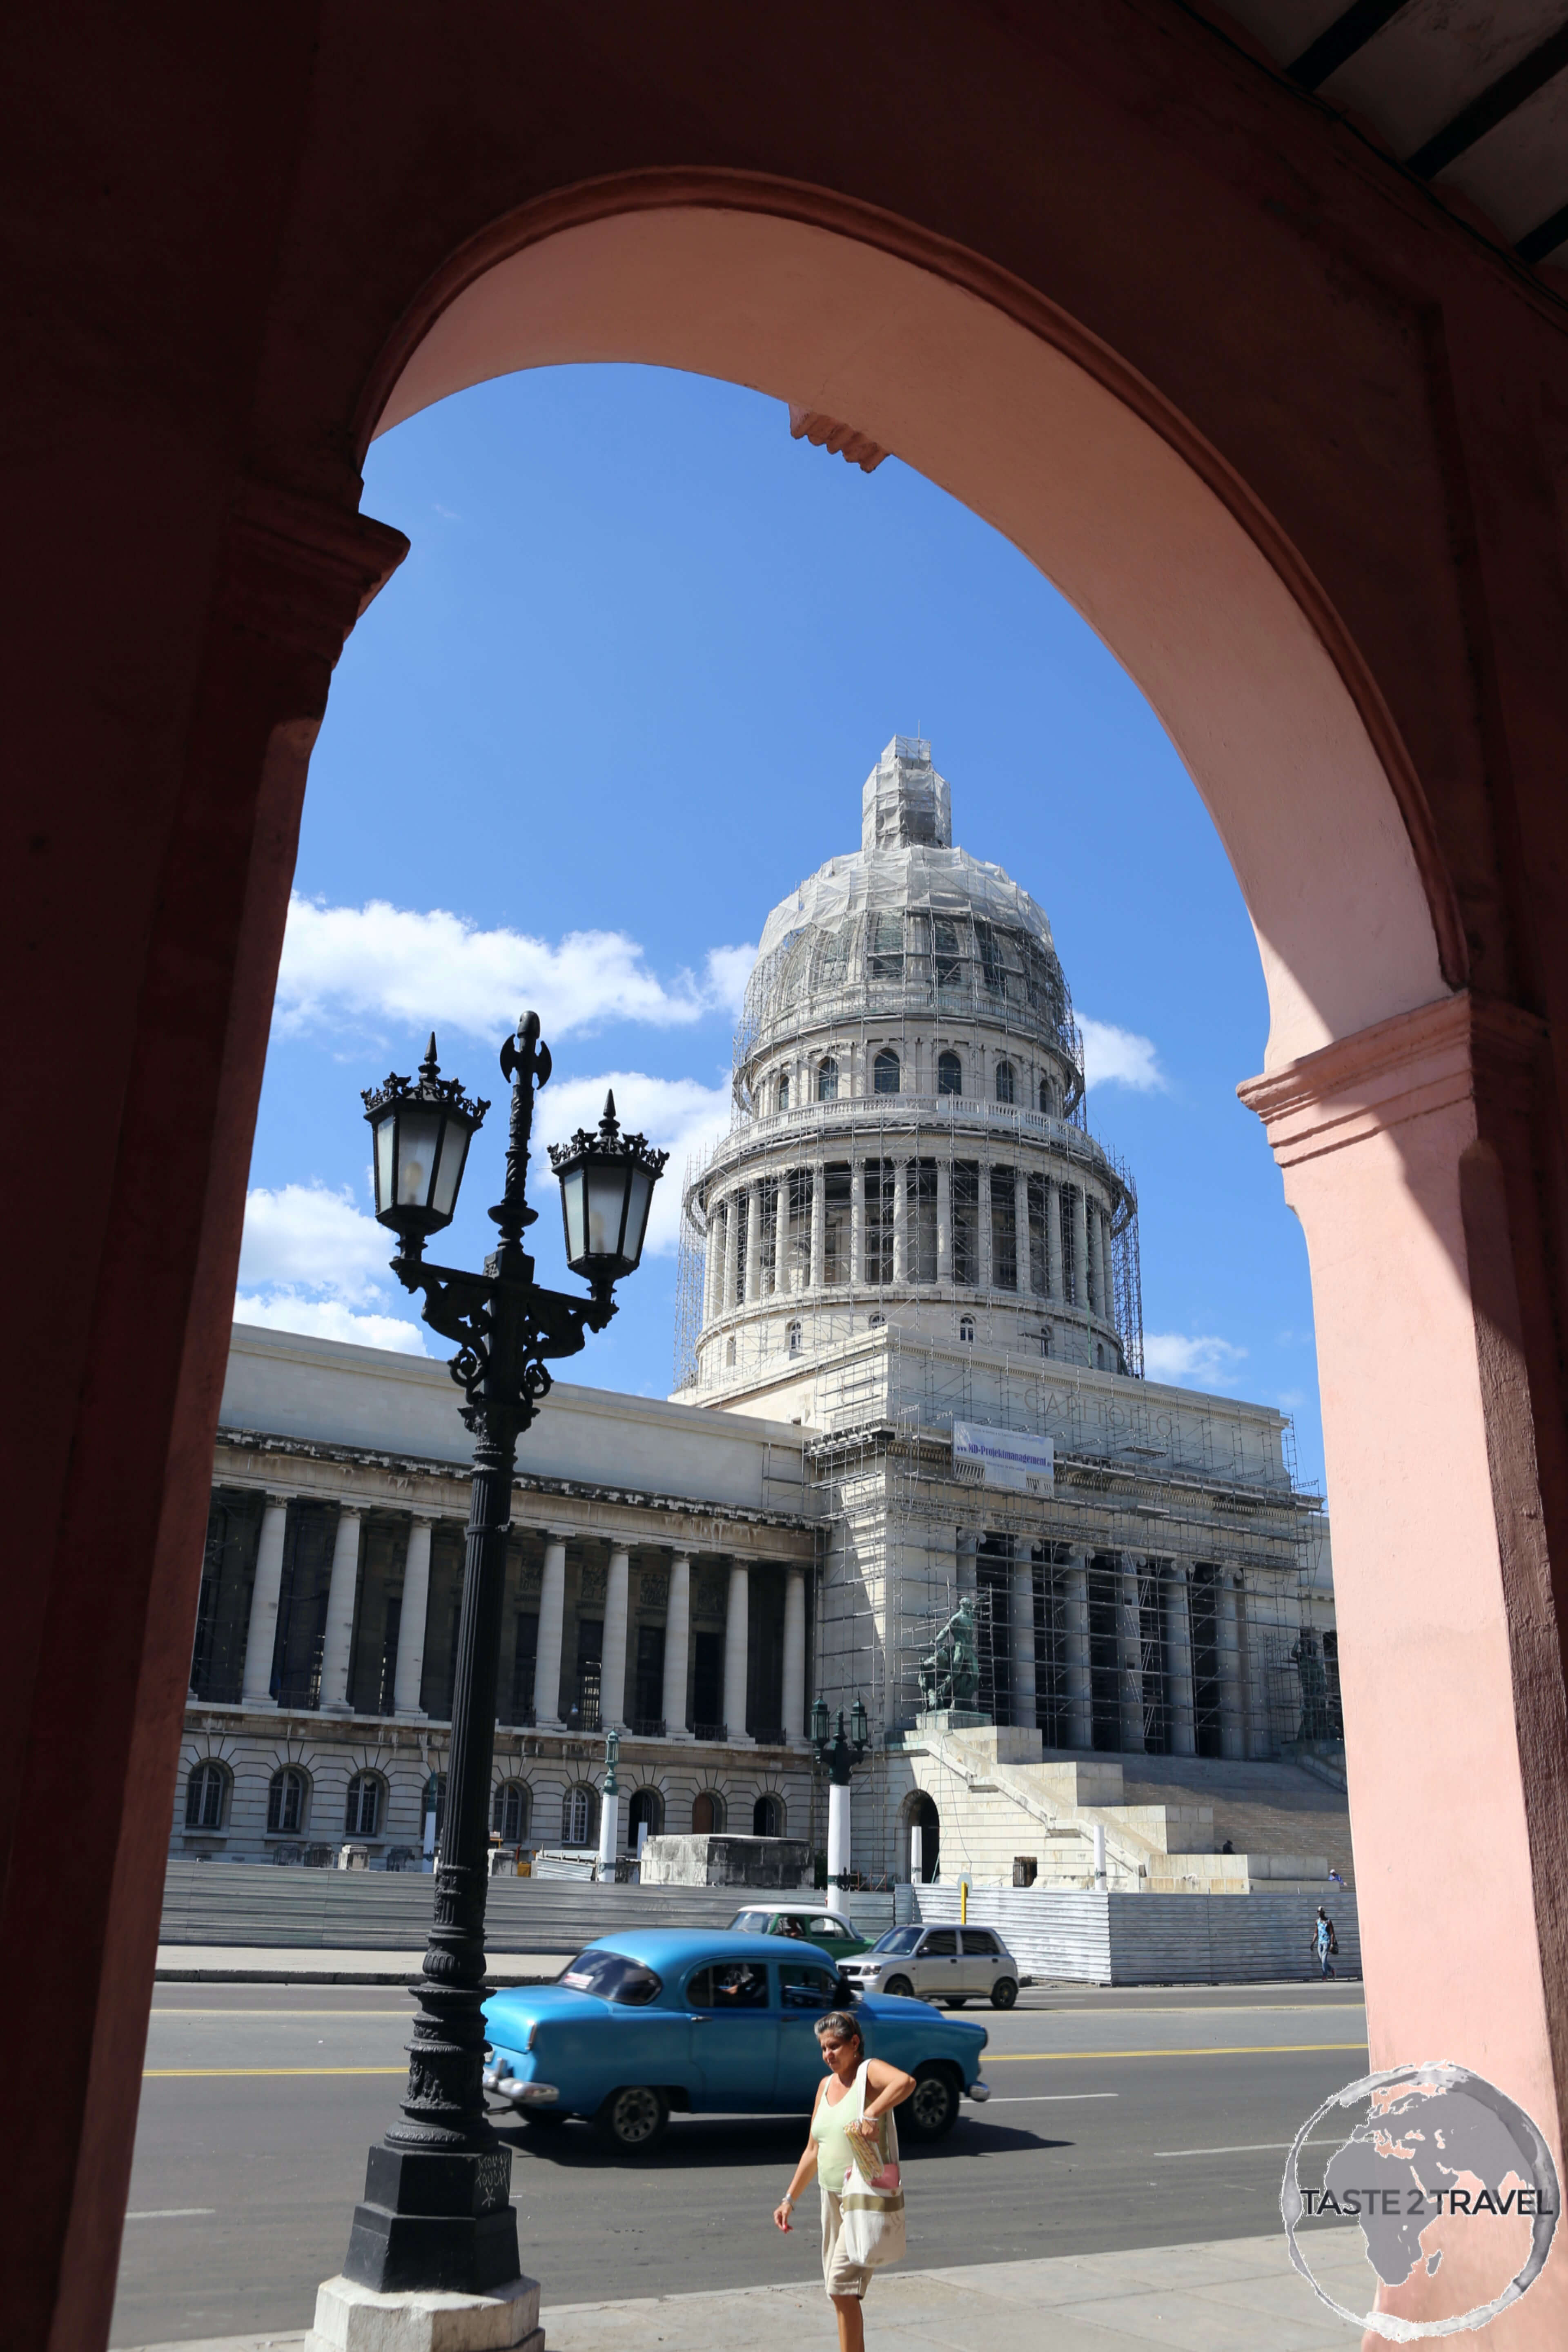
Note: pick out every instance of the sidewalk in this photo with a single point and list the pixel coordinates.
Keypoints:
(1236, 2295)
(310, 1964)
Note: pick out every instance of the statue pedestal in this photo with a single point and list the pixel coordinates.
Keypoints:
(952, 1718)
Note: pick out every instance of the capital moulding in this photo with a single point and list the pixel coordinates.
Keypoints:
(300, 570)
(1405, 1067)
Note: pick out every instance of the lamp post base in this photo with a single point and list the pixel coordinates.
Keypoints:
(435, 2222)
(354, 2318)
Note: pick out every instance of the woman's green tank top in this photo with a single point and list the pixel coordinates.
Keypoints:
(828, 2129)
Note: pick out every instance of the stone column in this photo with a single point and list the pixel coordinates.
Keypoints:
(713, 1264)
(677, 1643)
(1179, 1661)
(781, 1239)
(1231, 1740)
(754, 1241)
(409, 1672)
(1053, 1238)
(795, 1658)
(984, 1221)
(1091, 1257)
(1129, 1656)
(1021, 1219)
(857, 1223)
(731, 1251)
(1022, 1628)
(1107, 1279)
(612, 1673)
(737, 1633)
(900, 1220)
(552, 1619)
(1079, 1248)
(818, 1221)
(261, 1634)
(337, 1652)
(944, 1220)
(1081, 1688)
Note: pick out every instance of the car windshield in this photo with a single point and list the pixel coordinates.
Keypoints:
(897, 1940)
(750, 1923)
(612, 1977)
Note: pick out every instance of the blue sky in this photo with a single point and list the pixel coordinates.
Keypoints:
(621, 696)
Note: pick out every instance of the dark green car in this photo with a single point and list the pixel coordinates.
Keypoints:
(806, 1922)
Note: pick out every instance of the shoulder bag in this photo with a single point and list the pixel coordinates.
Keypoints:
(871, 2201)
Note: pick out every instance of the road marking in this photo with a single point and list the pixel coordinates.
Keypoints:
(171, 2009)
(173, 2214)
(1043, 2098)
(1223, 2050)
(185, 2074)
(1246, 2147)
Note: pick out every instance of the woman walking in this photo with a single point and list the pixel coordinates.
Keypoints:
(851, 2099)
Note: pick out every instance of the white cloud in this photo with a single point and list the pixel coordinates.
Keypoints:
(1120, 1058)
(677, 1115)
(329, 1319)
(380, 962)
(1205, 1362)
(308, 1236)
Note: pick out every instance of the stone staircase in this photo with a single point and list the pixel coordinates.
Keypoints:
(999, 1797)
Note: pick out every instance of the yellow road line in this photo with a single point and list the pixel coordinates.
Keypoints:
(1227, 2050)
(183, 2074)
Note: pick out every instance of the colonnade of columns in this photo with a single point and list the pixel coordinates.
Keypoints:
(779, 1259)
(337, 1655)
(1175, 1667)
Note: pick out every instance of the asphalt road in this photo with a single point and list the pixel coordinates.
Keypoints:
(1118, 2119)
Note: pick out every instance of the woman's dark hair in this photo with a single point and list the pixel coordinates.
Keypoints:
(839, 2026)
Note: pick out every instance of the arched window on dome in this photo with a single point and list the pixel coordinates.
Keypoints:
(1045, 1096)
(885, 1072)
(782, 1090)
(949, 1074)
(966, 1330)
(730, 1351)
(1005, 1082)
(795, 1338)
(827, 1080)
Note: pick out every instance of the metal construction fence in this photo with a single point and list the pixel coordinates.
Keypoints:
(1076, 1938)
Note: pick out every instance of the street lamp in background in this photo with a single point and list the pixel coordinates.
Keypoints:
(838, 1756)
(437, 2212)
(610, 1809)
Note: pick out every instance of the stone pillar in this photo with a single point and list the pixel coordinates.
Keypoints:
(737, 1636)
(261, 1634)
(1179, 1661)
(944, 1220)
(409, 1672)
(1107, 1275)
(1091, 1258)
(1023, 1630)
(731, 1251)
(857, 1223)
(1081, 1688)
(1232, 1735)
(795, 1658)
(612, 1673)
(1021, 1220)
(1129, 1655)
(818, 1221)
(754, 1241)
(1053, 1238)
(984, 1221)
(713, 1264)
(1079, 1248)
(337, 1652)
(677, 1643)
(781, 1239)
(552, 1619)
(900, 1220)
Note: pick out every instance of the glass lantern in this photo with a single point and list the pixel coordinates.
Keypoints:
(422, 1134)
(607, 1190)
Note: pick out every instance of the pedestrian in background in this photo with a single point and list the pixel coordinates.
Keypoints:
(853, 2104)
(1326, 1942)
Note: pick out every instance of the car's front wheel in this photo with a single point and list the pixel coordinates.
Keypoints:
(634, 2120)
(932, 2108)
(900, 1988)
(1003, 1994)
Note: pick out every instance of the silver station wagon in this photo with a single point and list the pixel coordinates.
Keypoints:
(951, 1965)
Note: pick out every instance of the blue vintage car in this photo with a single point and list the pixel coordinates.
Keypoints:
(707, 2023)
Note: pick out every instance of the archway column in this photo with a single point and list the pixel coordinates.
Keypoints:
(1397, 1146)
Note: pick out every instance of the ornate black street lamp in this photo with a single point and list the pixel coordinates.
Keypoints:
(437, 2211)
(838, 1757)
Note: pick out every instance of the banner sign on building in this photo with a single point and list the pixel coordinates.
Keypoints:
(1004, 1457)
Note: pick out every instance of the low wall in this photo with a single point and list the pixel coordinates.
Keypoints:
(1126, 1939)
